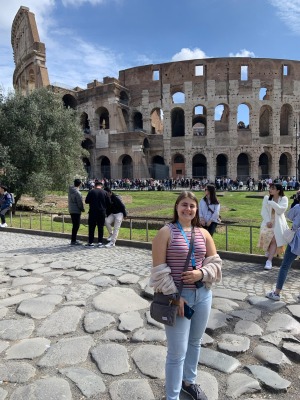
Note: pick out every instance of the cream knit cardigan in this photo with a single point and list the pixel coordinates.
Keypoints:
(162, 281)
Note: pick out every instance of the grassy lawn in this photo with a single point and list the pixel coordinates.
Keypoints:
(237, 208)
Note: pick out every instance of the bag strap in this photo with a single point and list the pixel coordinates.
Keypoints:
(187, 261)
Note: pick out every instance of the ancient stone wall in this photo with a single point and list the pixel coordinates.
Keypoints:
(29, 53)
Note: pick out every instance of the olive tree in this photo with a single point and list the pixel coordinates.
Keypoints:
(40, 143)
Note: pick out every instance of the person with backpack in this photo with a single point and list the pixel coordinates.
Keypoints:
(5, 204)
(209, 209)
(115, 214)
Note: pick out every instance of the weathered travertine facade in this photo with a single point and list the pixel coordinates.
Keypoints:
(29, 53)
(185, 119)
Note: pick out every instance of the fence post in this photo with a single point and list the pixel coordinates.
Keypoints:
(251, 241)
(40, 221)
(51, 219)
(226, 237)
(30, 221)
(147, 233)
(20, 220)
(130, 232)
(63, 223)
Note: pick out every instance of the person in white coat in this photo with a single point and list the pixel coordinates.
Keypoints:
(274, 223)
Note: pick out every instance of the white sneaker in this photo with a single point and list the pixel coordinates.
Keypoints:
(273, 296)
(109, 238)
(100, 245)
(3, 225)
(268, 264)
(110, 245)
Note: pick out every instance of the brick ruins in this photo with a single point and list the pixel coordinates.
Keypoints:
(216, 117)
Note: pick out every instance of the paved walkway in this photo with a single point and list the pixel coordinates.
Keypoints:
(74, 324)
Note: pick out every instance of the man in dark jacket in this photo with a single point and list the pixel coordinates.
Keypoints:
(98, 201)
(115, 214)
(75, 209)
(5, 204)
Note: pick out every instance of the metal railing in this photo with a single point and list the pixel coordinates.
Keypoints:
(228, 237)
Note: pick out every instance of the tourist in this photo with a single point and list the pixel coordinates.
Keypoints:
(291, 253)
(5, 204)
(115, 214)
(274, 223)
(98, 201)
(169, 251)
(209, 209)
(76, 207)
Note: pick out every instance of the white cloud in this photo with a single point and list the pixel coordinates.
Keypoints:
(242, 53)
(289, 12)
(189, 54)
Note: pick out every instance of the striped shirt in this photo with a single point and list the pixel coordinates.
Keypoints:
(177, 252)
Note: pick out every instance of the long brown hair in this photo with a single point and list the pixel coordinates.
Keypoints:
(212, 194)
(183, 195)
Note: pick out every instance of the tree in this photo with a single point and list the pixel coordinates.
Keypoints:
(40, 143)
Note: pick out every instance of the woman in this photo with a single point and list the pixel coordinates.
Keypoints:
(209, 209)
(274, 223)
(291, 253)
(169, 252)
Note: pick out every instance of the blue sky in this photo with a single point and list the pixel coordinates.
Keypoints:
(90, 39)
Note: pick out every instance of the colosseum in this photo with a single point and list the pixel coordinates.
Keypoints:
(203, 118)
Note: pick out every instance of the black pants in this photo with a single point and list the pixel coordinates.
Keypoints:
(2, 214)
(76, 224)
(96, 220)
(211, 228)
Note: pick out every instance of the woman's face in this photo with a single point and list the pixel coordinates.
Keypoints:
(187, 209)
(207, 193)
(273, 191)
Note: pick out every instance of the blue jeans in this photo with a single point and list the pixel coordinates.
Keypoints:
(287, 261)
(184, 341)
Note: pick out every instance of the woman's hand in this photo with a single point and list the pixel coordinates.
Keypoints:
(190, 277)
(181, 306)
(208, 223)
(269, 224)
(202, 222)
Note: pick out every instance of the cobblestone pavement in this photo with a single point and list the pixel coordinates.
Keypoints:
(75, 324)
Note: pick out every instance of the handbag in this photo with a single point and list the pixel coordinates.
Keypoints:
(164, 307)
(288, 235)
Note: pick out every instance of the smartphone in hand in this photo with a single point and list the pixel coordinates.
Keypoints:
(188, 311)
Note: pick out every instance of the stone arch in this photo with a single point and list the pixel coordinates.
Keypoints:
(124, 99)
(265, 118)
(103, 117)
(243, 116)
(127, 166)
(222, 166)
(178, 122)
(243, 167)
(69, 101)
(285, 164)
(286, 120)
(159, 170)
(104, 167)
(85, 123)
(199, 166)
(264, 165)
(178, 98)
(221, 118)
(178, 165)
(199, 120)
(157, 124)
(87, 144)
(86, 165)
(138, 121)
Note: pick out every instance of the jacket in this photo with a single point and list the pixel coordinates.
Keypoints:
(98, 200)
(116, 206)
(280, 221)
(162, 281)
(5, 201)
(75, 201)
